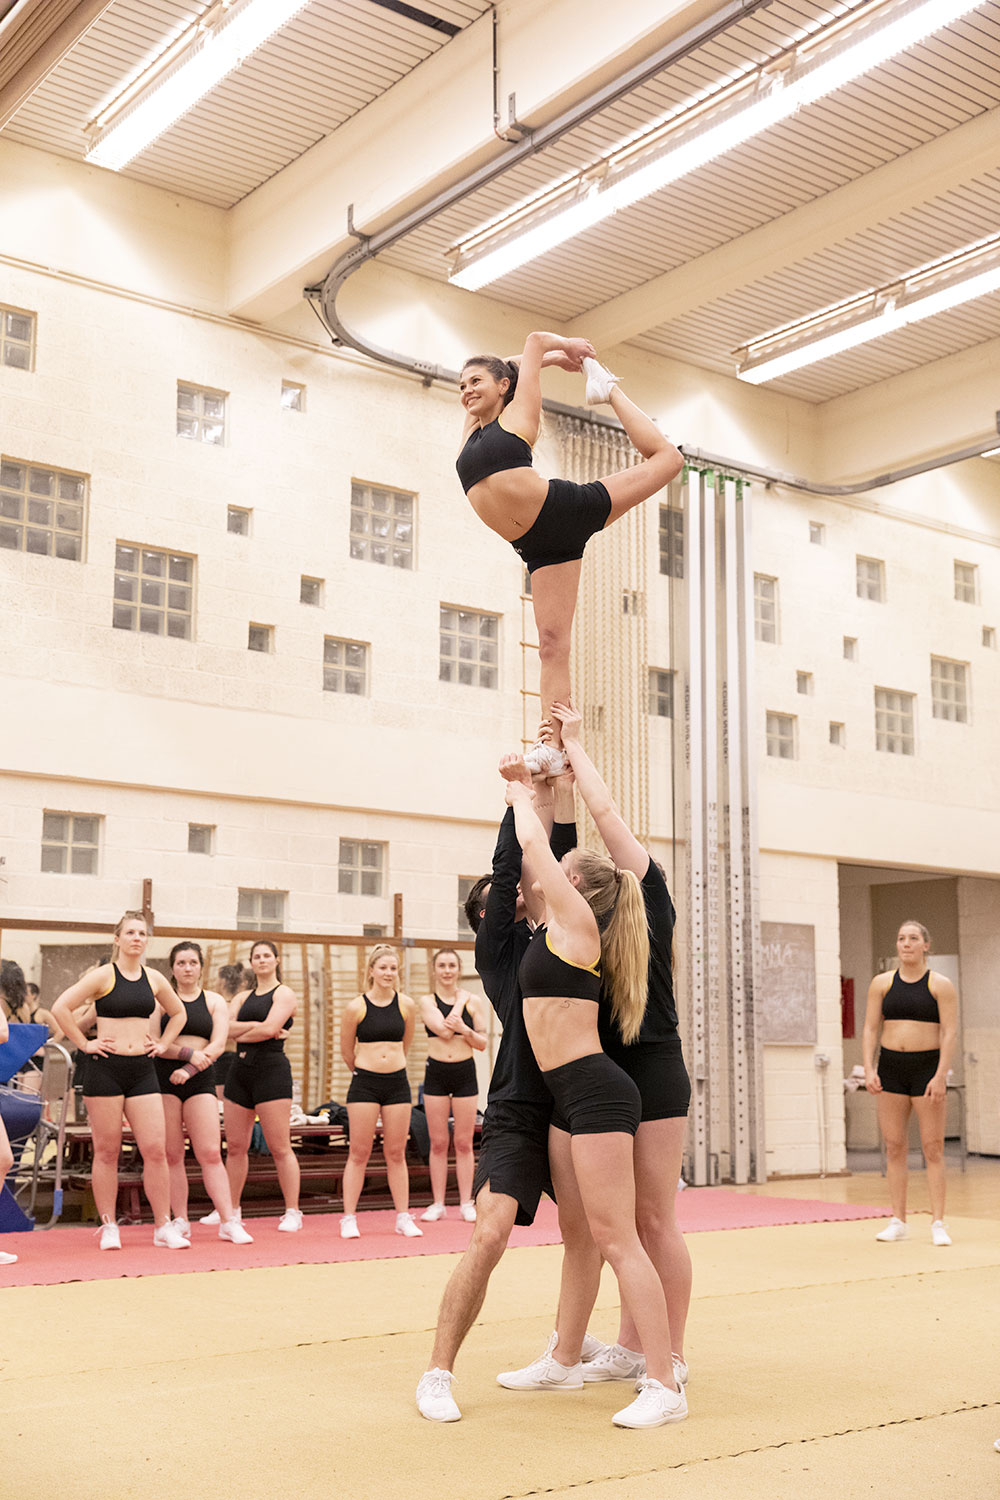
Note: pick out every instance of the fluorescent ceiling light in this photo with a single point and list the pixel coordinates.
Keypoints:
(929, 290)
(143, 116)
(621, 180)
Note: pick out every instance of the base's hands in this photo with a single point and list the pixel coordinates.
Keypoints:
(569, 719)
(513, 769)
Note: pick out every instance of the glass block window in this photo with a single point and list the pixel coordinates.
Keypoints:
(894, 721)
(200, 838)
(765, 607)
(850, 648)
(950, 689)
(837, 734)
(42, 510)
(989, 638)
(382, 525)
(310, 590)
(201, 415)
(966, 580)
(671, 541)
(261, 911)
(661, 694)
(781, 736)
(17, 338)
(345, 666)
(154, 591)
(69, 843)
(260, 638)
(293, 396)
(238, 520)
(817, 533)
(633, 602)
(465, 884)
(871, 579)
(470, 647)
(361, 868)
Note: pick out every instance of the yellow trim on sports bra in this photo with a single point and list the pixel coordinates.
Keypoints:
(511, 433)
(594, 968)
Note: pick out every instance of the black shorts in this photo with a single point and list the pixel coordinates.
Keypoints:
(593, 1096)
(259, 1080)
(379, 1088)
(515, 1163)
(201, 1083)
(223, 1065)
(570, 515)
(455, 1078)
(907, 1072)
(104, 1077)
(658, 1072)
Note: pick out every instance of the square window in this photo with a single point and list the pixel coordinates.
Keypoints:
(850, 648)
(781, 736)
(345, 666)
(260, 638)
(950, 690)
(238, 520)
(468, 647)
(310, 590)
(201, 414)
(871, 579)
(200, 838)
(260, 911)
(661, 694)
(381, 525)
(837, 735)
(671, 541)
(361, 868)
(17, 338)
(894, 722)
(804, 682)
(966, 582)
(765, 608)
(43, 510)
(293, 396)
(816, 533)
(141, 578)
(70, 843)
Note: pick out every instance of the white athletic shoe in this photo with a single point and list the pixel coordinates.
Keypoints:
(894, 1230)
(432, 1213)
(290, 1221)
(349, 1227)
(654, 1406)
(544, 1374)
(615, 1362)
(213, 1217)
(405, 1225)
(600, 383)
(680, 1369)
(110, 1237)
(939, 1233)
(6, 1259)
(468, 1212)
(434, 1398)
(997, 1445)
(183, 1226)
(234, 1232)
(546, 760)
(591, 1347)
(169, 1238)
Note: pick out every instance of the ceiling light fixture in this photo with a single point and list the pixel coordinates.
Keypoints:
(822, 63)
(222, 39)
(922, 293)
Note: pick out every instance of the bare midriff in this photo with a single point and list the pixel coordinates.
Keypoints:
(379, 1057)
(561, 1029)
(911, 1036)
(509, 502)
(448, 1049)
(129, 1033)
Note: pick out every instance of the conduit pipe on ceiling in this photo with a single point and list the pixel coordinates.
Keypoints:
(324, 296)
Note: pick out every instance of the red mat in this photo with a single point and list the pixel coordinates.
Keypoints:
(69, 1253)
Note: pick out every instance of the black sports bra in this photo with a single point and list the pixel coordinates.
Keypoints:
(910, 1000)
(445, 1010)
(198, 1021)
(543, 973)
(257, 1008)
(381, 1023)
(127, 998)
(489, 450)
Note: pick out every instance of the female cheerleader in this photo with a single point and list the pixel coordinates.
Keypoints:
(917, 1011)
(119, 1074)
(375, 1036)
(549, 522)
(260, 1082)
(594, 938)
(187, 1083)
(455, 1026)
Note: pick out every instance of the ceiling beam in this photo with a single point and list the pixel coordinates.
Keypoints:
(35, 36)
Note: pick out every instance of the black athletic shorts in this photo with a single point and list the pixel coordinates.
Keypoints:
(570, 515)
(104, 1077)
(907, 1072)
(658, 1072)
(515, 1163)
(201, 1083)
(455, 1078)
(223, 1065)
(593, 1096)
(251, 1082)
(379, 1088)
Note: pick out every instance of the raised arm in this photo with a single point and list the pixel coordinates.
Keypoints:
(619, 840)
(541, 350)
(569, 916)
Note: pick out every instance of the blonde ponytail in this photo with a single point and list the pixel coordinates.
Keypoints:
(615, 896)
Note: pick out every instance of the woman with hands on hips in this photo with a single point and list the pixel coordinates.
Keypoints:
(456, 1028)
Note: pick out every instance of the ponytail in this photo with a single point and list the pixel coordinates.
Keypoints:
(500, 369)
(615, 897)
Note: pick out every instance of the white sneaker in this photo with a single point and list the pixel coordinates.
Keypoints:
(600, 383)
(544, 1374)
(468, 1212)
(680, 1369)
(6, 1259)
(213, 1217)
(183, 1226)
(545, 760)
(234, 1232)
(615, 1362)
(434, 1398)
(939, 1233)
(591, 1347)
(894, 1230)
(654, 1406)
(405, 1225)
(110, 1237)
(349, 1227)
(290, 1221)
(169, 1238)
(432, 1213)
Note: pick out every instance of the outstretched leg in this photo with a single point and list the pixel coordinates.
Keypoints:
(661, 460)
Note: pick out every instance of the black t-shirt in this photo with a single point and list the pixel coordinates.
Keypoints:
(660, 1021)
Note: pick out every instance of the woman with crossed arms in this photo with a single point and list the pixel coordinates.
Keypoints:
(455, 1026)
